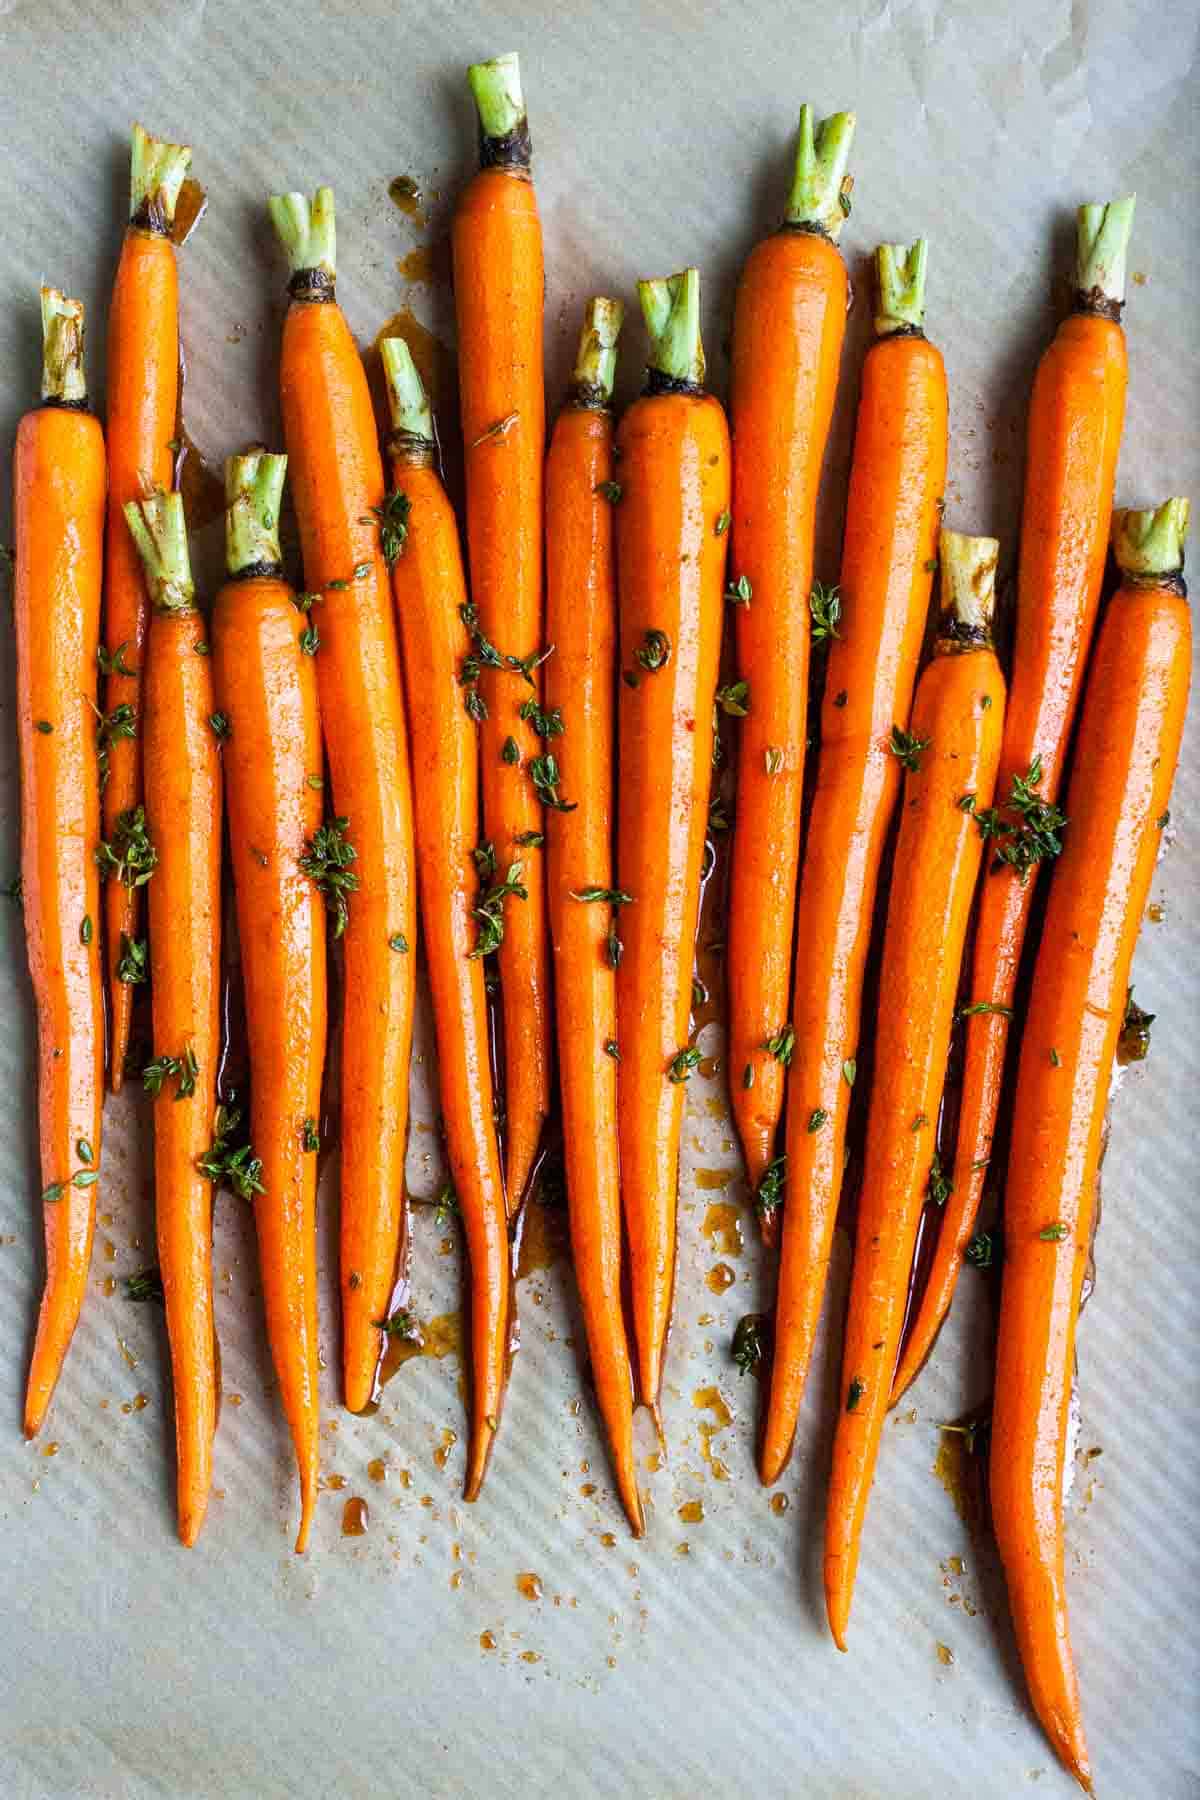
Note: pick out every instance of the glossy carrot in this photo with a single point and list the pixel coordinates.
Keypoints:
(951, 752)
(581, 601)
(874, 633)
(1075, 420)
(58, 524)
(266, 685)
(143, 401)
(459, 919)
(788, 324)
(1124, 762)
(182, 773)
(674, 475)
(338, 487)
(498, 297)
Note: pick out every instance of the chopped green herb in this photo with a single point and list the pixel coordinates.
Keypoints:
(85, 1178)
(310, 1137)
(747, 1347)
(133, 964)
(84, 1151)
(484, 858)
(816, 1118)
(476, 705)
(825, 605)
(510, 751)
(849, 1071)
(146, 1285)
(984, 1006)
(55, 1191)
(85, 929)
(221, 727)
(530, 840)
(920, 1121)
(399, 942)
(131, 858)
(228, 1163)
(1053, 1234)
(841, 697)
(615, 949)
(739, 592)
(854, 1393)
(327, 857)
(15, 889)
(940, 1186)
(361, 571)
(773, 758)
(718, 814)
(654, 651)
(734, 699)
(316, 782)
(724, 520)
(545, 724)
(1055, 1058)
(392, 519)
(748, 1076)
(44, 726)
(781, 1045)
(490, 911)
(986, 703)
(613, 896)
(1163, 820)
(310, 640)
(907, 748)
(184, 1068)
(111, 728)
(545, 775)
(682, 1063)
(982, 1251)
(114, 664)
(400, 1325)
(769, 1196)
(446, 1206)
(610, 1049)
(609, 490)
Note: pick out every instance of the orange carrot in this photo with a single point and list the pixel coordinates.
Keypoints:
(788, 326)
(58, 521)
(951, 753)
(873, 629)
(266, 687)
(1125, 757)
(674, 475)
(461, 925)
(1075, 419)
(143, 399)
(182, 770)
(337, 483)
(581, 601)
(498, 295)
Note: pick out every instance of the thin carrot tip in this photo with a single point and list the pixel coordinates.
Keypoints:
(1101, 246)
(62, 348)
(253, 494)
(1150, 542)
(157, 171)
(820, 193)
(307, 231)
(901, 274)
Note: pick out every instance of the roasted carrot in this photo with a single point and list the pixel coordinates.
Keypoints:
(58, 522)
(266, 688)
(950, 752)
(873, 629)
(498, 292)
(674, 474)
(581, 605)
(181, 741)
(143, 398)
(1124, 762)
(465, 914)
(788, 324)
(338, 487)
(1074, 434)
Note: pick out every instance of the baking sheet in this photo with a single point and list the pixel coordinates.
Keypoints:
(697, 1661)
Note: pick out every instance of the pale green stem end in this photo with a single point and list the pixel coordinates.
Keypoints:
(308, 233)
(157, 171)
(968, 569)
(1103, 240)
(253, 495)
(160, 533)
(671, 309)
(62, 348)
(820, 193)
(1151, 542)
(407, 398)
(901, 273)
(596, 358)
(496, 86)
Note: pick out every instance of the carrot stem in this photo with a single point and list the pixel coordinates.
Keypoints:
(1102, 243)
(160, 532)
(496, 87)
(820, 195)
(1151, 542)
(306, 231)
(157, 171)
(901, 273)
(63, 380)
(968, 572)
(253, 492)
(671, 309)
(596, 358)
(407, 400)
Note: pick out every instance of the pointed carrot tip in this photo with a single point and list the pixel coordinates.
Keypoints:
(308, 1507)
(116, 1078)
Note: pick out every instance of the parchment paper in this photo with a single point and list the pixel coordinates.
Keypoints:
(696, 1662)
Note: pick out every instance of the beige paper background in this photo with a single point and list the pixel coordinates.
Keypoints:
(129, 1667)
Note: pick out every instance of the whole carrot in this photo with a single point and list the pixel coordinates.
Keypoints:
(1124, 762)
(873, 630)
(498, 297)
(951, 752)
(461, 922)
(182, 770)
(788, 325)
(581, 599)
(143, 400)
(337, 483)
(266, 686)
(1075, 419)
(674, 473)
(58, 523)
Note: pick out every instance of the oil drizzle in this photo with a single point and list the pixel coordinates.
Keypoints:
(355, 1517)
